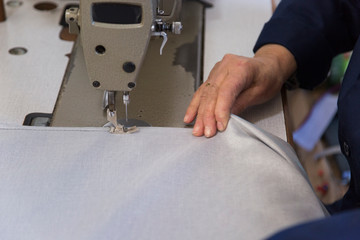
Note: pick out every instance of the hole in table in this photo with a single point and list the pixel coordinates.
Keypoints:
(18, 51)
(14, 3)
(45, 6)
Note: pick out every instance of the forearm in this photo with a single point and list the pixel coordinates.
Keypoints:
(314, 32)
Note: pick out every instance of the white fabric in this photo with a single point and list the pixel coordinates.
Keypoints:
(159, 183)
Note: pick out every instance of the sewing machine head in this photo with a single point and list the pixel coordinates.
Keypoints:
(115, 35)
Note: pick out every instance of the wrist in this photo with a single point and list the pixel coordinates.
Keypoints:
(279, 60)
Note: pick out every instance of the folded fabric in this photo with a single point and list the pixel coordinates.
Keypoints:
(158, 183)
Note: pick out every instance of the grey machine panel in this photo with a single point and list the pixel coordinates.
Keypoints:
(164, 87)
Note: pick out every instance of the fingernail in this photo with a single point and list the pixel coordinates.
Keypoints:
(220, 126)
(196, 130)
(207, 132)
(186, 118)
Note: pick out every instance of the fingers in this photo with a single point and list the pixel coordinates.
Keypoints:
(205, 123)
(202, 106)
(214, 99)
(192, 108)
(200, 95)
(228, 93)
(214, 104)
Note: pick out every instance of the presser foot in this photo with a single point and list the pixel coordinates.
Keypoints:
(120, 129)
(116, 127)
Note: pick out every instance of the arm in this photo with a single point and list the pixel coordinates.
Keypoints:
(311, 33)
(314, 32)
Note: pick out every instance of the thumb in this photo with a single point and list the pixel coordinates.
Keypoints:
(243, 101)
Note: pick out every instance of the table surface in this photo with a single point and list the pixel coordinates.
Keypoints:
(31, 82)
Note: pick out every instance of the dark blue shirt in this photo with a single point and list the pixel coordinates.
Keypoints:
(315, 31)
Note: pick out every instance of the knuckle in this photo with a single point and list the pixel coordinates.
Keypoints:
(222, 113)
(223, 117)
(208, 118)
(217, 64)
(227, 97)
(228, 56)
(208, 113)
(203, 97)
(242, 63)
(213, 86)
(192, 107)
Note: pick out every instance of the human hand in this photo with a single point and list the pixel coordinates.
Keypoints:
(236, 83)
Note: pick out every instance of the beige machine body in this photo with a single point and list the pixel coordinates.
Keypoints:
(114, 51)
(115, 35)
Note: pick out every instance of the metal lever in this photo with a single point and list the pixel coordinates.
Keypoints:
(72, 18)
(158, 30)
(165, 38)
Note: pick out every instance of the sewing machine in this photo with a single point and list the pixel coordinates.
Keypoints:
(143, 46)
(115, 37)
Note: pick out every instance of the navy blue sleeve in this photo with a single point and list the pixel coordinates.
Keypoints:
(340, 226)
(314, 31)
